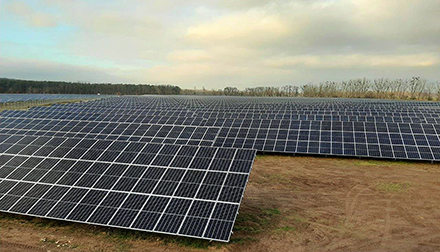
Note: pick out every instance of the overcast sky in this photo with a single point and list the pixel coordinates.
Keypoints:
(213, 44)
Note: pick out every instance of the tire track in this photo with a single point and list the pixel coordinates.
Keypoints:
(387, 234)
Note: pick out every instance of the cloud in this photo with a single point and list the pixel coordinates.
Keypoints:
(29, 16)
(222, 43)
(254, 27)
(46, 70)
(189, 56)
(354, 60)
(115, 23)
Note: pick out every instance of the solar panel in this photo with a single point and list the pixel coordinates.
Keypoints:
(200, 119)
(174, 189)
(180, 164)
(5, 98)
(364, 139)
(362, 128)
(136, 132)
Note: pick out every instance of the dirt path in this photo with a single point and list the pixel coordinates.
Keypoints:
(291, 204)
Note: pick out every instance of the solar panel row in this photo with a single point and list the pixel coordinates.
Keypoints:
(4, 98)
(242, 108)
(227, 111)
(252, 102)
(367, 139)
(201, 121)
(176, 189)
(112, 131)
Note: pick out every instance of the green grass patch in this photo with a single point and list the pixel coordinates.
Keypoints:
(128, 235)
(265, 156)
(270, 211)
(287, 228)
(120, 237)
(261, 156)
(48, 240)
(393, 186)
(242, 240)
(123, 247)
(190, 242)
(28, 105)
(248, 224)
(296, 218)
(47, 223)
(380, 162)
(284, 229)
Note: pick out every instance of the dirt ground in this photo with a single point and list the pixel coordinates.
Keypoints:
(290, 204)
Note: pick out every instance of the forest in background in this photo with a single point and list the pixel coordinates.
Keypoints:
(60, 87)
(415, 88)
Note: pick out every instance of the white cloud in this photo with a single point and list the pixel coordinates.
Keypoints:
(47, 70)
(245, 43)
(28, 15)
(189, 56)
(354, 60)
(251, 27)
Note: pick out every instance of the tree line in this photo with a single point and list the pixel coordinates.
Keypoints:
(415, 88)
(62, 87)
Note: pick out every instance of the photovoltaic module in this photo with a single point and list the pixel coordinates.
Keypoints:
(175, 189)
(180, 164)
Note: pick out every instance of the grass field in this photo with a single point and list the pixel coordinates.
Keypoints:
(25, 105)
(290, 204)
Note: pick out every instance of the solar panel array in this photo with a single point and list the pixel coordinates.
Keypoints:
(4, 98)
(179, 165)
(138, 132)
(406, 130)
(174, 189)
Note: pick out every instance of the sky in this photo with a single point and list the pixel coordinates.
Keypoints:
(214, 44)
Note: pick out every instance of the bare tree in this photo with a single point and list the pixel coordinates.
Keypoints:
(437, 85)
(422, 87)
(361, 88)
(402, 88)
(231, 91)
(414, 87)
(430, 90)
(380, 87)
